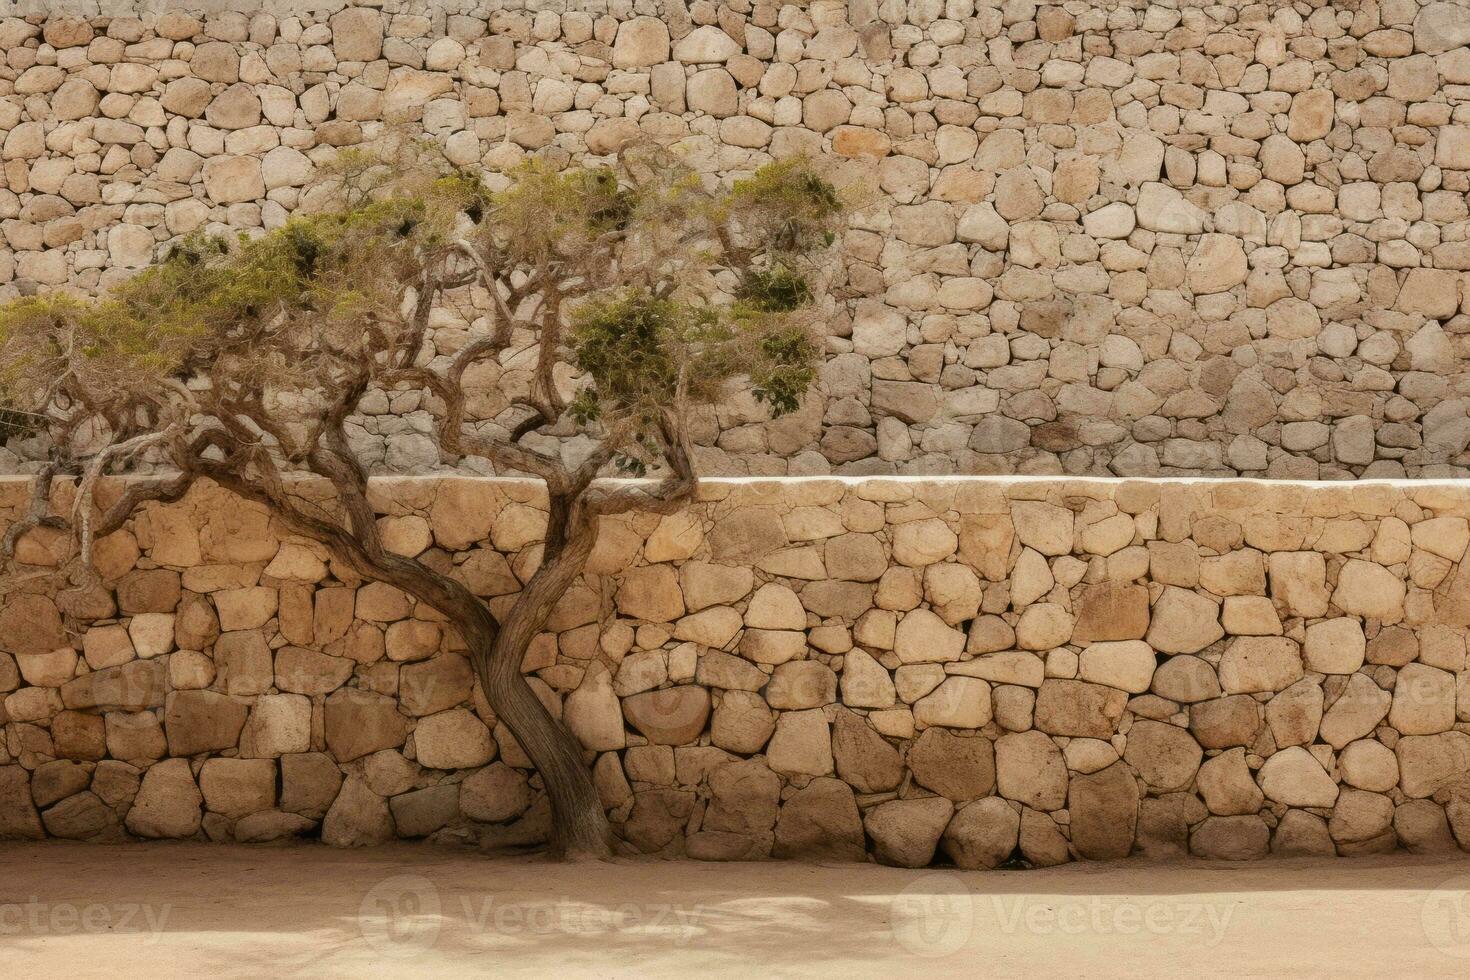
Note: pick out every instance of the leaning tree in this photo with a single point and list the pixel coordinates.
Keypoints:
(634, 293)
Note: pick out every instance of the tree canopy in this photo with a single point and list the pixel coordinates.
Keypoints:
(654, 288)
(624, 297)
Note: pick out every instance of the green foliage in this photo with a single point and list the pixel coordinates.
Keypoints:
(774, 290)
(623, 270)
(785, 368)
(462, 191)
(639, 350)
(788, 206)
(545, 212)
(641, 344)
(630, 344)
(285, 304)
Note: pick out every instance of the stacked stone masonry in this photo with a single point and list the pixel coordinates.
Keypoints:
(1108, 238)
(976, 671)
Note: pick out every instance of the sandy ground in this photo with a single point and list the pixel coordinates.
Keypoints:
(177, 910)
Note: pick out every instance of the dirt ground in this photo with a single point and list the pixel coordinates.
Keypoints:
(177, 910)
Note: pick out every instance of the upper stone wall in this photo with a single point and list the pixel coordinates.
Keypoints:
(1110, 238)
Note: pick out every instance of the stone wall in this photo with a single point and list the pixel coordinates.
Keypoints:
(1109, 238)
(1009, 669)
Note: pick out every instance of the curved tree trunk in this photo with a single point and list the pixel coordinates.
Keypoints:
(580, 829)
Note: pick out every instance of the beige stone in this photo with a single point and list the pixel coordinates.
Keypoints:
(1428, 763)
(1260, 663)
(641, 42)
(671, 716)
(1043, 527)
(1295, 714)
(1127, 665)
(1226, 785)
(202, 721)
(593, 713)
(801, 684)
(1356, 712)
(651, 593)
(1423, 700)
(1183, 622)
(1369, 590)
(357, 723)
(1166, 757)
(1335, 646)
(1076, 708)
(453, 739)
(982, 834)
(357, 817)
(237, 787)
(1218, 263)
(958, 702)
(922, 637)
(920, 543)
(820, 822)
(1293, 777)
(905, 833)
(742, 722)
(233, 179)
(1104, 812)
(168, 802)
(357, 34)
(802, 744)
(279, 724)
(1030, 769)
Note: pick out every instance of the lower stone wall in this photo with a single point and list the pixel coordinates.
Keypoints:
(1009, 670)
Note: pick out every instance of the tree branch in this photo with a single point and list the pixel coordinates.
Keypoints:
(35, 515)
